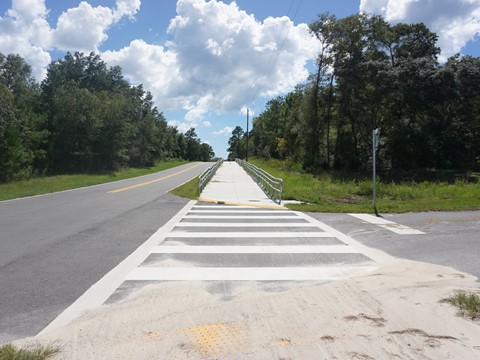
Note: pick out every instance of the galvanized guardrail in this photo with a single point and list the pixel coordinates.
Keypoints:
(271, 185)
(207, 175)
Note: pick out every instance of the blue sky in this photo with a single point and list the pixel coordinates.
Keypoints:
(204, 61)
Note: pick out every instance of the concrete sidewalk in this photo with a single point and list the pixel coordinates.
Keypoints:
(232, 185)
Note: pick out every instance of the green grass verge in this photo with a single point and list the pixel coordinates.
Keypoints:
(49, 184)
(468, 304)
(188, 190)
(10, 352)
(329, 193)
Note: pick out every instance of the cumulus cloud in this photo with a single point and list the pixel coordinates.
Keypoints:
(227, 130)
(219, 59)
(25, 30)
(85, 27)
(181, 126)
(455, 21)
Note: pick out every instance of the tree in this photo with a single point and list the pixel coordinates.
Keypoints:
(315, 123)
(21, 133)
(236, 147)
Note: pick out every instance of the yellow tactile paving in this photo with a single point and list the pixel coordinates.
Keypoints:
(216, 339)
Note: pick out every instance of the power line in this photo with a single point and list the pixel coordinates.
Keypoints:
(277, 54)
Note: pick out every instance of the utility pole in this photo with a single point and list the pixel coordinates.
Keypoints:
(246, 156)
(375, 142)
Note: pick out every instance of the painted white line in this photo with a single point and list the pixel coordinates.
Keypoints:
(374, 254)
(387, 224)
(243, 211)
(248, 274)
(242, 217)
(231, 207)
(293, 249)
(246, 224)
(296, 235)
(99, 292)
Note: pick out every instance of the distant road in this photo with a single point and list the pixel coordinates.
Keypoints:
(450, 239)
(54, 247)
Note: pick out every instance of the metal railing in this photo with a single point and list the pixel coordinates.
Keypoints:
(207, 175)
(271, 185)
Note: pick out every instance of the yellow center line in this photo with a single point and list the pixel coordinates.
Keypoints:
(152, 181)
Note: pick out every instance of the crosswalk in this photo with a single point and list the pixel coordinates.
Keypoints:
(240, 243)
(211, 242)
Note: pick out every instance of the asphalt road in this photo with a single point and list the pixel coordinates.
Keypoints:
(451, 238)
(54, 247)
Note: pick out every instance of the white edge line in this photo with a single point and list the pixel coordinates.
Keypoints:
(401, 229)
(96, 185)
(99, 292)
(372, 219)
(295, 249)
(388, 225)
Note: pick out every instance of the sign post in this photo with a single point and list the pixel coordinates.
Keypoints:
(375, 142)
(246, 156)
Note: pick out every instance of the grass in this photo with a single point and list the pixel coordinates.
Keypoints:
(334, 193)
(188, 190)
(468, 304)
(10, 352)
(49, 184)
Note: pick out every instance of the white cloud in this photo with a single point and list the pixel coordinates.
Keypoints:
(85, 27)
(455, 21)
(24, 30)
(219, 59)
(207, 123)
(227, 130)
(183, 127)
(151, 65)
(243, 111)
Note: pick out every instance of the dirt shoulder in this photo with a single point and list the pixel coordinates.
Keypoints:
(392, 313)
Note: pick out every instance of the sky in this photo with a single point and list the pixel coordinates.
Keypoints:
(206, 62)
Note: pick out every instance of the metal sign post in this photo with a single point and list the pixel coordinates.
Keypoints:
(246, 156)
(375, 142)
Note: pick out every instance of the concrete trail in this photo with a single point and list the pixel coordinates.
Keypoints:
(232, 185)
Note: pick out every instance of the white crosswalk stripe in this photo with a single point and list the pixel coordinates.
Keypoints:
(252, 244)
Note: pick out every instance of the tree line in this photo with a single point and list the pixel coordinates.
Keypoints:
(83, 117)
(371, 74)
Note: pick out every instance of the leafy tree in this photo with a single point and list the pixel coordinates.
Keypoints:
(237, 148)
(21, 133)
(371, 74)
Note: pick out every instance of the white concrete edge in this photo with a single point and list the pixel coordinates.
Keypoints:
(374, 254)
(99, 292)
(325, 273)
(263, 249)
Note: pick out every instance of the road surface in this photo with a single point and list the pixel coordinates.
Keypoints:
(450, 238)
(54, 247)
